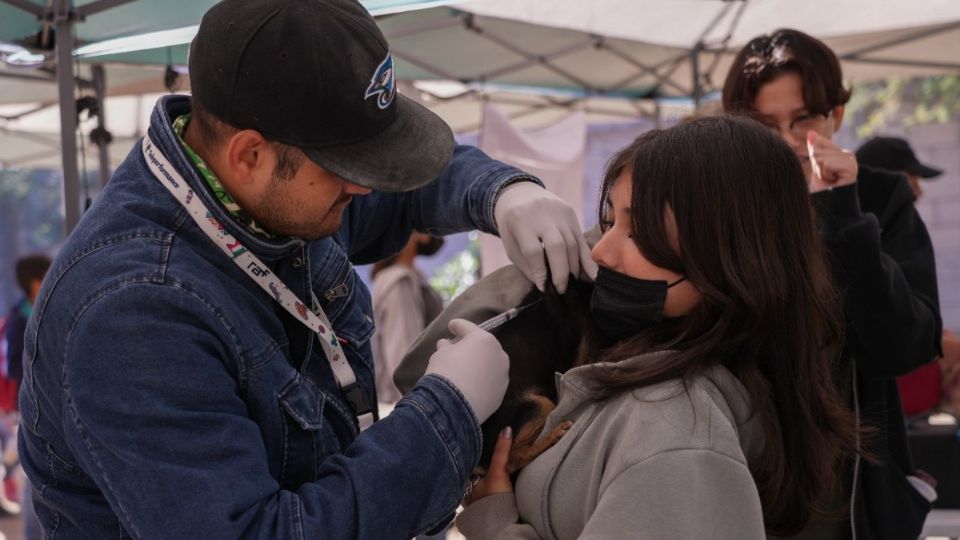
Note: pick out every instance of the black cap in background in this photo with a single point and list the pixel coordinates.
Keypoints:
(318, 75)
(894, 154)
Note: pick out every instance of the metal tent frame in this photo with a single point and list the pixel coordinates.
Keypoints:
(644, 81)
(63, 15)
(704, 57)
(661, 71)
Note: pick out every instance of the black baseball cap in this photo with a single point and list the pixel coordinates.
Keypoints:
(894, 154)
(317, 75)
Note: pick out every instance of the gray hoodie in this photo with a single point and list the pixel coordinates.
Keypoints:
(659, 462)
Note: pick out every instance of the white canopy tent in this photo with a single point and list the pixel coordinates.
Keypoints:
(612, 59)
(681, 48)
(900, 35)
(33, 140)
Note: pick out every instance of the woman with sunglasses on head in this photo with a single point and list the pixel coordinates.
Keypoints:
(710, 410)
(882, 260)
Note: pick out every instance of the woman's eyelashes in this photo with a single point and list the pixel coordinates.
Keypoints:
(607, 224)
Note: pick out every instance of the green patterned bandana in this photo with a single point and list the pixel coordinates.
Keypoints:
(220, 192)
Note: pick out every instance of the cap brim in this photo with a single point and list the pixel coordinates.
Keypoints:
(411, 152)
(923, 171)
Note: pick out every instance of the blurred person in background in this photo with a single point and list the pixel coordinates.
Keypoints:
(403, 305)
(923, 389)
(895, 154)
(881, 258)
(30, 272)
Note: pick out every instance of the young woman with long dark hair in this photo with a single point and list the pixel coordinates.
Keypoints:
(711, 410)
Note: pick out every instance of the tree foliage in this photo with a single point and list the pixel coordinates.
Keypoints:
(459, 272)
(31, 220)
(904, 101)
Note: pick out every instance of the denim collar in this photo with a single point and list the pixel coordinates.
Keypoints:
(161, 131)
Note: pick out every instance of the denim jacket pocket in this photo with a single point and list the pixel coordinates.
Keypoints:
(342, 294)
(303, 403)
(307, 438)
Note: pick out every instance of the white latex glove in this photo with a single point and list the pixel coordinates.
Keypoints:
(531, 221)
(476, 364)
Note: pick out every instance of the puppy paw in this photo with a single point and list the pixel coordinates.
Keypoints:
(522, 455)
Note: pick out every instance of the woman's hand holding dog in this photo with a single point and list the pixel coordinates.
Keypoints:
(497, 479)
(508, 459)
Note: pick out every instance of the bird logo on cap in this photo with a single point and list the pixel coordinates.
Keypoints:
(382, 84)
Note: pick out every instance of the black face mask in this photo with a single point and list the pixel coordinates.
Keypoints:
(622, 305)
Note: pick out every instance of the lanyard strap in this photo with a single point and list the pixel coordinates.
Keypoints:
(316, 320)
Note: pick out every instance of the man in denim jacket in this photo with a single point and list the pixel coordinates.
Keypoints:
(169, 394)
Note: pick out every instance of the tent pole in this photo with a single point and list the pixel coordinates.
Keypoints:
(103, 144)
(697, 89)
(63, 15)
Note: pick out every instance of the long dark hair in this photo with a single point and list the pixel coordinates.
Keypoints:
(765, 58)
(769, 313)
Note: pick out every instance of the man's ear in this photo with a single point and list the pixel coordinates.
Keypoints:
(837, 118)
(247, 159)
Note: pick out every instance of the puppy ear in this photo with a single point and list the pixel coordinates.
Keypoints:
(572, 304)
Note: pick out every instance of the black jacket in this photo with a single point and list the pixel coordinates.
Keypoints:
(883, 263)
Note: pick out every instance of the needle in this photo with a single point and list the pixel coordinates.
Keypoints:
(497, 321)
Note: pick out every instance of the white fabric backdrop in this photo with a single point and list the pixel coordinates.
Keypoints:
(555, 154)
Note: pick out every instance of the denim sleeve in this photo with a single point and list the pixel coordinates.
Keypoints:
(158, 421)
(461, 199)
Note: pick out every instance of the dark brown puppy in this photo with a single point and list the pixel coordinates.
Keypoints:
(545, 339)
